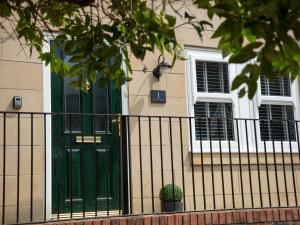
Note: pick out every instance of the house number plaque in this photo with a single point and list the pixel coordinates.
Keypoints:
(88, 139)
(158, 96)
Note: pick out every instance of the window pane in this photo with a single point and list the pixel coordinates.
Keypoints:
(72, 105)
(101, 107)
(212, 77)
(200, 73)
(276, 123)
(218, 126)
(279, 86)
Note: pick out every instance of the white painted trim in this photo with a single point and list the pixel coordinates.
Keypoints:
(125, 94)
(125, 105)
(47, 109)
(276, 100)
(213, 97)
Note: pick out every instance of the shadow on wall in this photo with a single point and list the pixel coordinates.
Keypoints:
(9, 108)
(138, 104)
(149, 83)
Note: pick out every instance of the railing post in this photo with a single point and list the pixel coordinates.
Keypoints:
(182, 163)
(31, 167)
(240, 163)
(258, 164)
(211, 164)
(128, 156)
(124, 158)
(141, 164)
(18, 168)
(202, 162)
(120, 165)
(161, 158)
(192, 158)
(4, 168)
(221, 165)
(151, 163)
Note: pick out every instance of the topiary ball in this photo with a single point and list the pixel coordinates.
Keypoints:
(170, 193)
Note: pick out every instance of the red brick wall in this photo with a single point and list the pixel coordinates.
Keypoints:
(283, 216)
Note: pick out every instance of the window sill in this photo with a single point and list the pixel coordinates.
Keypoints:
(243, 159)
(276, 100)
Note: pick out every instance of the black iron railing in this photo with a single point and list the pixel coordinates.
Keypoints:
(57, 166)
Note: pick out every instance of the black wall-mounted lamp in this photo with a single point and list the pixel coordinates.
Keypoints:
(161, 68)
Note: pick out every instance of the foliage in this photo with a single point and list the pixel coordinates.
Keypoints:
(264, 34)
(170, 193)
(92, 34)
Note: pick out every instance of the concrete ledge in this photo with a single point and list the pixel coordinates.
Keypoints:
(287, 158)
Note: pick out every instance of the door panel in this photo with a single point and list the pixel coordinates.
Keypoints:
(85, 172)
(101, 106)
(72, 104)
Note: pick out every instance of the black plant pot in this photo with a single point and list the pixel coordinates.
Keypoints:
(171, 206)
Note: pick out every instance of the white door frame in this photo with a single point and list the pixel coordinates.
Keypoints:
(47, 109)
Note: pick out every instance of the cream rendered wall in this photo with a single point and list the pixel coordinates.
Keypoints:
(21, 75)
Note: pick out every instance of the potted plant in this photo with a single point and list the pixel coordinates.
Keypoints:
(171, 196)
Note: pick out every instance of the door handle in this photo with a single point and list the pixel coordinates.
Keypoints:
(118, 121)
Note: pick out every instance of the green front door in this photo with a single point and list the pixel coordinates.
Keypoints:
(85, 147)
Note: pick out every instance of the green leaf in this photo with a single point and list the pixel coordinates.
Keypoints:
(223, 29)
(171, 20)
(242, 57)
(266, 66)
(127, 78)
(249, 35)
(242, 93)
(245, 54)
(252, 89)
(238, 81)
(210, 13)
(76, 68)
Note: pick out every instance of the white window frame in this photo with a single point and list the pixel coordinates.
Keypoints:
(248, 109)
(292, 100)
(209, 55)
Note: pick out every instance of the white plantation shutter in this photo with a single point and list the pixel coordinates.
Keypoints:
(276, 122)
(279, 86)
(212, 77)
(219, 125)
